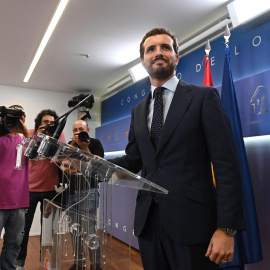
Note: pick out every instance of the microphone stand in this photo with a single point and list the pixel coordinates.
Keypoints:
(62, 123)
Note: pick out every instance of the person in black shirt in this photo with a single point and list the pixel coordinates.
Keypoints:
(92, 146)
(83, 201)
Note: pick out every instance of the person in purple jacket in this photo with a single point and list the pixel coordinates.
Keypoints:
(14, 188)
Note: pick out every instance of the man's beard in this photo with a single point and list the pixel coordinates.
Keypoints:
(161, 72)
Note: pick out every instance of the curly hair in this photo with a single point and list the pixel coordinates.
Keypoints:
(159, 31)
(38, 119)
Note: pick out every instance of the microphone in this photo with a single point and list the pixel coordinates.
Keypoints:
(60, 128)
(52, 145)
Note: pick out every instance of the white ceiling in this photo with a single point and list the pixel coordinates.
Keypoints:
(109, 31)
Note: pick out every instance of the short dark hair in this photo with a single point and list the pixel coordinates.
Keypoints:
(17, 107)
(38, 119)
(159, 31)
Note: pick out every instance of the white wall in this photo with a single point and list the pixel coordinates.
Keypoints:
(33, 101)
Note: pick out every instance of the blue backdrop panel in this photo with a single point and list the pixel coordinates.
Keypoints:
(250, 55)
(254, 104)
(258, 153)
(114, 136)
(120, 105)
(253, 97)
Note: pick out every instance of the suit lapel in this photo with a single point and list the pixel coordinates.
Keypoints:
(178, 107)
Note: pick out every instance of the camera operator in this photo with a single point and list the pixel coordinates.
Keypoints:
(91, 145)
(10, 118)
(78, 191)
(14, 187)
(43, 176)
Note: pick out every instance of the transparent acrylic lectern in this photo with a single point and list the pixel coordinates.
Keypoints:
(81, 225)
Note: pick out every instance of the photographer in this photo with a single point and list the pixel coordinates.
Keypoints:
(14, 188)
(43, 176)
(88, 201)
(92, 145)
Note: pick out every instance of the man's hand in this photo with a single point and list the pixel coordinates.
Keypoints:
(48, 210)
(68, 167)
(23, 129)
(40, 129)
(82, 145)
(221, 247)
(74, 140)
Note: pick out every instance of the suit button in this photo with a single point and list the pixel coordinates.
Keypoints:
(158, 167)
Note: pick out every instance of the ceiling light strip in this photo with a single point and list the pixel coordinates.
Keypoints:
(59, 11)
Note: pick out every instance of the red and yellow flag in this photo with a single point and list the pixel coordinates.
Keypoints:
(207, 81)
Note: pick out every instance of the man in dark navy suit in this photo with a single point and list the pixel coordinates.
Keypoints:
(193, 227)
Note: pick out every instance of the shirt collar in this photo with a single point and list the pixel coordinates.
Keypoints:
(171, 85)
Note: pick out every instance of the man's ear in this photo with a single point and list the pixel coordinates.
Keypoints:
(177, 58)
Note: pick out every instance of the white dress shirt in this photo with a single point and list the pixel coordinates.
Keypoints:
(168, 94)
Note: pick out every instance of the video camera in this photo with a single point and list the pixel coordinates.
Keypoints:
(88, 103)
(9, 118)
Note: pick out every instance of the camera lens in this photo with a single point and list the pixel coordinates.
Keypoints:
(83, 136)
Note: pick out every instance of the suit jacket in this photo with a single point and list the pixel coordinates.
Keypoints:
(196, 132)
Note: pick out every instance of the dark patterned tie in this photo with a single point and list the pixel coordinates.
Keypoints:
(156, 126)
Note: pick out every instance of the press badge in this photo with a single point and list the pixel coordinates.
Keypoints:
(19, 159)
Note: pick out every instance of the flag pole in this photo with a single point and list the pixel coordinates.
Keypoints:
(227, 35)
(207, 49)
(207, 81)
